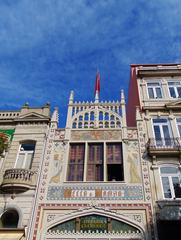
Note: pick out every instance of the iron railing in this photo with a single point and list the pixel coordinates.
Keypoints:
(164, 143)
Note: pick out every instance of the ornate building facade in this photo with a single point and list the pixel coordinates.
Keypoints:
(94, 184)
(107, 175)
(157, 93)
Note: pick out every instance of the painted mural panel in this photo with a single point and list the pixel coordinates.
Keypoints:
(57, 163)
(133, 162)
(96, 135)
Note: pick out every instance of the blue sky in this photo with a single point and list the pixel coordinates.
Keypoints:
(49, 47)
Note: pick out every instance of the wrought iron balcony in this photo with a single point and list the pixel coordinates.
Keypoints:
(18, 180)
(164, 146)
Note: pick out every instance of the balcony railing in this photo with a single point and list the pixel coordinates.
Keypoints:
(18, 180)
(169, 209)
(164, 145)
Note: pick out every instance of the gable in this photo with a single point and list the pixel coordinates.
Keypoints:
(32, 115)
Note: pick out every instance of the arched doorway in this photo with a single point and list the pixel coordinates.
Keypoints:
(9, 219)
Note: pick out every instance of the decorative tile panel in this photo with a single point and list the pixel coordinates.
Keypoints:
(104, 192)
(96, 135)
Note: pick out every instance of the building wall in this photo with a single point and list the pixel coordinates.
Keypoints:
(17, 191)
(59, 200)
(158, 87)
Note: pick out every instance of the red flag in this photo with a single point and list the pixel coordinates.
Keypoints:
(97, 84)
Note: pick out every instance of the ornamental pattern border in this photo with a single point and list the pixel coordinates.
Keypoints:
(98, 192)
(114, 206)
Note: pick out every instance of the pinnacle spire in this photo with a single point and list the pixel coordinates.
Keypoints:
(97, 86)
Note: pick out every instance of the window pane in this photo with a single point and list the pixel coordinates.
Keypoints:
(158, 135)
(76, 162)
(179, 91)
(150, 93)
(179, 129)
(90, 172)
(71, 172)
(169, 170)
(79, 170)
(172, 92)
(160, 120)
(158, 92)
(28, 146)
(166, 187)
(114, 153)
(20, 160)
(166, 135)
(114, 162)
(29, 157)
(99, 172)
(173, 83)
(153, 84)
(95, 162)
(177, 187)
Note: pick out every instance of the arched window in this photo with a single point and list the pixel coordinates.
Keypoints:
(74, 125)
(106, 124)
(171, 180)
(118, 124)
(73, 111)
(92, 116)
(86, 117)
(91, 124)
(80, 125)
(106, 117)
(9, 219)
(25, 155)
(112, 124)
(86, 125)
(112, 117)
(101, 124)
(80, 118)
(100, 115)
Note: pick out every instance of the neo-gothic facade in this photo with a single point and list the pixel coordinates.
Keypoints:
(91, 183)
(107, 175)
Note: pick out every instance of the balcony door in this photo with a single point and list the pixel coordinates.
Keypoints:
(162, 132)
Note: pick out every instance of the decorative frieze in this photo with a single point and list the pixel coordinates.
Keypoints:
(104, 192)
(84, 135)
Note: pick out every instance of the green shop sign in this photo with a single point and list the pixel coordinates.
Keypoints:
(94, 223)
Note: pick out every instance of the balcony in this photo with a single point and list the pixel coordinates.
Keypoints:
(164, 146)
(18, 180)
(169, 209)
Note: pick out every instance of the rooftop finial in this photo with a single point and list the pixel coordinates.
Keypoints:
(97, 86)
(122, 97)
(71, 98)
